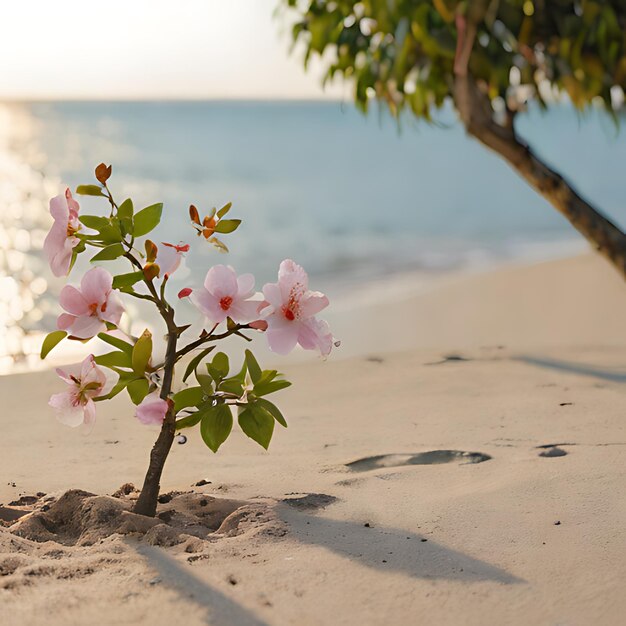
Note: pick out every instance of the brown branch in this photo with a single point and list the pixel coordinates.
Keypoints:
(475, 110)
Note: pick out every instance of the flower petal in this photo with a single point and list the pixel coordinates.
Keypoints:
(152, 409)
(96, 285)
(59, 209)
(65, 321)
(73, 301)
(282, 339)
(245, 285)
(292, 279)
(313, 302)
(68, 411)
(208, 305)
(86, 327)
(315, 334)
(243, 311)
(114, 309)
(221, 281)
(89, 412)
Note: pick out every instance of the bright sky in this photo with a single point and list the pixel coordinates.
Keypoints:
(149, 49)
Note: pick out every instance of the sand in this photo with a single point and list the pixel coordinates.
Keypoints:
(511, 382)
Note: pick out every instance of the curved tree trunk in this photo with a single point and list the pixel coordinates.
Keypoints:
(475, 110)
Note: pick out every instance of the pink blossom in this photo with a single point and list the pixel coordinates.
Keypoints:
(89, 307)
(75, 406)
(289, 309)
(60, 241)
(226, 295)
(169, 257)
(152, 409)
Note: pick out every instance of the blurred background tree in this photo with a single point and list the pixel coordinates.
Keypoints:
(490, 58)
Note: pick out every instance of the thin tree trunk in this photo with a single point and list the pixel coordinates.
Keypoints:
(477, 116)
(147, 502)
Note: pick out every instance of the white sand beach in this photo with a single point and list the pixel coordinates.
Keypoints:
(524, 368)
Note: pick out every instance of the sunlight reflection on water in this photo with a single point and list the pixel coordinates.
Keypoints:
(24, 275)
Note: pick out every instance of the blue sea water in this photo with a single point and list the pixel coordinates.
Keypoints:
(350, 197)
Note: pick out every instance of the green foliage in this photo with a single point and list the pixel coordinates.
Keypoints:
(227, 226)
(219, 367)
(138, 389)
(218, 391)
(147, 219)
(193, 364)
(114, 359)
(402, 52)
(191, 396)
(273, 410)
(257, 423)
(142, 352)
(125, 216)
(50, 341)
(120, 344)
(126, 281)
(215, 426)
(89, 190)
(114, 251)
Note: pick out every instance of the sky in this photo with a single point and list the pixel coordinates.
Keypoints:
(134, 49)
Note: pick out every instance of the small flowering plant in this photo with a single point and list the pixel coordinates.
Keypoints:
(207, 391)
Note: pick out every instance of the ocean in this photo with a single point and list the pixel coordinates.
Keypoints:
(352, 198)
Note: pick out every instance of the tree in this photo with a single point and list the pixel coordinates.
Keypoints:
(490, 58)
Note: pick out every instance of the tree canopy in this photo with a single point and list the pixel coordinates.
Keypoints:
(403, 51)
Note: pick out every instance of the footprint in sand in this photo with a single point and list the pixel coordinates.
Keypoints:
(432, 457)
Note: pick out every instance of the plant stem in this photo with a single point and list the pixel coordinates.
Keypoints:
(147, 502)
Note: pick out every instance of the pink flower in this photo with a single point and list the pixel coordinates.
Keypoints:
(169, 257)
(152, 409)
(75, 406)
(226, 295)
(289, 309)
(89, 307)
(60, 241)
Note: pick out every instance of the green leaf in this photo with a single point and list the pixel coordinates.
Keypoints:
(224, 210)
(272, 409)
(127, 280)
(125, 215)
(262, 389)
(119, 386)
(111, 233)
(89, 190)
(253, 367)
(120, 344)
(51, 340)
(115, 359)
(109, 253)
(94, 221)
(206, 382)
(216, 425)
(227, 226)
(257, 423)
(138, 390)
(193, 364)
(188, 421)
(219, 366)
(147, 219)
(142, 352)
(232, 385)
(192, 396)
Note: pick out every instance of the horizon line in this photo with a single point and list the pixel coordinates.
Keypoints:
(162, 99)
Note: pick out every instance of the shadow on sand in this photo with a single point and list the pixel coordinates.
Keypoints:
(573, 368)
(391, 549)
(221, 610)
